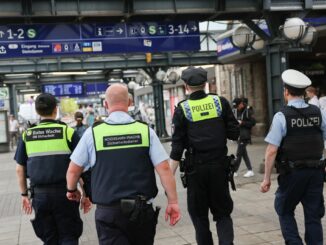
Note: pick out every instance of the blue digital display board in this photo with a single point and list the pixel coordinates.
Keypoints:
(64, 89)
(96, 88)
(97, 38)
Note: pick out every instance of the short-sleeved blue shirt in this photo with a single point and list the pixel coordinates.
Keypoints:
(278, 128)
(84, 155)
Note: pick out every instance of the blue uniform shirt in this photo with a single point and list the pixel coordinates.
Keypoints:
(84, 154)
(278, 128)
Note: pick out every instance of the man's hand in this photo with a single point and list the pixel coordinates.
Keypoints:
(74, 196)
(172, 211)
(26, 205)
(265, 186)
(85, 204)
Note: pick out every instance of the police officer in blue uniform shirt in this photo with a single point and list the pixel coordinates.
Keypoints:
(202, 125)
(123, 154)
(296, 143)
(43, 155)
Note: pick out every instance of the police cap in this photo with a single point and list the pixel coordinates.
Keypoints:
(295, 79)
(194, 76)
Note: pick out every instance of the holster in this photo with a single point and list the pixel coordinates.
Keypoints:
(135, 209)
(183, 174)
(231, 169)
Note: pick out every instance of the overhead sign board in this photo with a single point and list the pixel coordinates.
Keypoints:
(96, 88)
(64, 89)
(97, 38)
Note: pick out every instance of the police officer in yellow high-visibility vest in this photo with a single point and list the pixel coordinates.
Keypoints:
(43, 156)
(201, 126)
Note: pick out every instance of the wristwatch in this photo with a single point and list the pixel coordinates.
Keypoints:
(25, 194)
(72, 191)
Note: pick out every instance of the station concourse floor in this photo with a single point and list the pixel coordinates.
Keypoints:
(254, 218)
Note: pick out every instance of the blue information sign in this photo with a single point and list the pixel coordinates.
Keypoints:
(96, 88)
(97, 38)
(64, 89)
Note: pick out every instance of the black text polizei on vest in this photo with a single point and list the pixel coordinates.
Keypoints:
(203, 107)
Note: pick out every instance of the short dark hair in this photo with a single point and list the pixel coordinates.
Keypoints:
(79, 115)
(294, 91)
(45, 104)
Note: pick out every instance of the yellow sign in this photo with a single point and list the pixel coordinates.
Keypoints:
(68, 106)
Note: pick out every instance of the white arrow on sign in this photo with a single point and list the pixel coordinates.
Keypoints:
(2, 34)
(120, 31)
(194, 28)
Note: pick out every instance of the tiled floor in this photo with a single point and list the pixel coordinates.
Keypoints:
(254, 218)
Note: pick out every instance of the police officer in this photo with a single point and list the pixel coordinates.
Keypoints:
(201, 126)
(295, 140)
(43, 156)
(123, 154)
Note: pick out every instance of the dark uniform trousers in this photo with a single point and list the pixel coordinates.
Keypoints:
(208, 189)
(57, 220)
(114, 228)
(305, 186)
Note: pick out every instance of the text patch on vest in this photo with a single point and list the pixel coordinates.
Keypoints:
(203, 109)
(304, 122)
(120, 140)
(44, 134)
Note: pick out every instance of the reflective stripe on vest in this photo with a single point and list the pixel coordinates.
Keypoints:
(47, 139)
(111, 137)
(203, 109)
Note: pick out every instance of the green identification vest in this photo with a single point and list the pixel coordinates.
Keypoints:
(123, 168)
(48, 152)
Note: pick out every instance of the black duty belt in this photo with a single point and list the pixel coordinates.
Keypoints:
(307, 164)
(116, 204)
(112, 205)
(49, 189)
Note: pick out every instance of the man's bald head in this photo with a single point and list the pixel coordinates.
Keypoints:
(116, 97)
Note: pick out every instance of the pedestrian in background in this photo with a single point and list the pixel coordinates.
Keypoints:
(90, 116)
(296, 142)
(123, 155)
(311, 93)
(322, 101)
(43, 155)
(13, 131)
(80, 128)
(135, 112)
(244, 114)
(201, 126)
